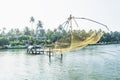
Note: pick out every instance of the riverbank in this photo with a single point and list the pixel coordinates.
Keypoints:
(25, 47)
(14, 47)
(105, 43)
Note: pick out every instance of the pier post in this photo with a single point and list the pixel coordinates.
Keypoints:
(49, 52)
(61, 56)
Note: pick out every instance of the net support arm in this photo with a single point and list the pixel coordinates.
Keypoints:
(92, 21)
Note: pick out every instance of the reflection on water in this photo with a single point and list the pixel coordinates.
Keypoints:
(101, 62)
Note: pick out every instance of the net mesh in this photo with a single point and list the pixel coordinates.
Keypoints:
(74, 41)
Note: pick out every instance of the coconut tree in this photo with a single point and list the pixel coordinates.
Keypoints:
(39, 24)
(3, 32)
(32, 20)
(40, 31)
(27, 33)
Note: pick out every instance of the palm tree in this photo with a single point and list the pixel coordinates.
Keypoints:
(3, 32)
(32, 20)
(40, 31)
(60, 28)
(39, 28)
(39, 25)
(26, 31)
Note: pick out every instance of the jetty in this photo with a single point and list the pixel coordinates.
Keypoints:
(42, 50)
(38, 50)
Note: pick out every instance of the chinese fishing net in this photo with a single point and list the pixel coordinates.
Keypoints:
(73, 37)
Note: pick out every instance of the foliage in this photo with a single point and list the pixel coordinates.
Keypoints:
(16, 37)
(3, 41)
(111, 37)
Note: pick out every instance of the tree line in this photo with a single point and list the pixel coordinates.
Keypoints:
(16, 37)
(110, 38)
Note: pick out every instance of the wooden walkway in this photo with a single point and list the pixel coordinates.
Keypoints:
(38, 51)
(44, 51)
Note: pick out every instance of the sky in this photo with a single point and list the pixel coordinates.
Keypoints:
(17, 13)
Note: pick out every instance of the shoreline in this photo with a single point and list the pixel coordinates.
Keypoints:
(25, 47)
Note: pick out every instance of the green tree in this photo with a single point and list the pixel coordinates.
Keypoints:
(40, 32)
(32, 20)
(17, 32)
(26, 31)
(3, 31)
(3, 41)
(39, 24)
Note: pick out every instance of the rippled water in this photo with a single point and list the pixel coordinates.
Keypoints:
(101, 62)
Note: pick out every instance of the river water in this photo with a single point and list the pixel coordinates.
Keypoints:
(98, 62)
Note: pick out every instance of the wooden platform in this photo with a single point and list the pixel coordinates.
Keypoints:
(39, 51)
(45, 51)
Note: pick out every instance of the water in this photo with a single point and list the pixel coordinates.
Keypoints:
(101, 62)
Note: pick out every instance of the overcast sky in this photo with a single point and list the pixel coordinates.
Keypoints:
(17, 13)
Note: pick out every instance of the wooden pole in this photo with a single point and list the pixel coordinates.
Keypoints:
(49, 52)
(61, 56)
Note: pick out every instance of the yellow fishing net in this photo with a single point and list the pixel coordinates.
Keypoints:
(76, 42)
(76, 39)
